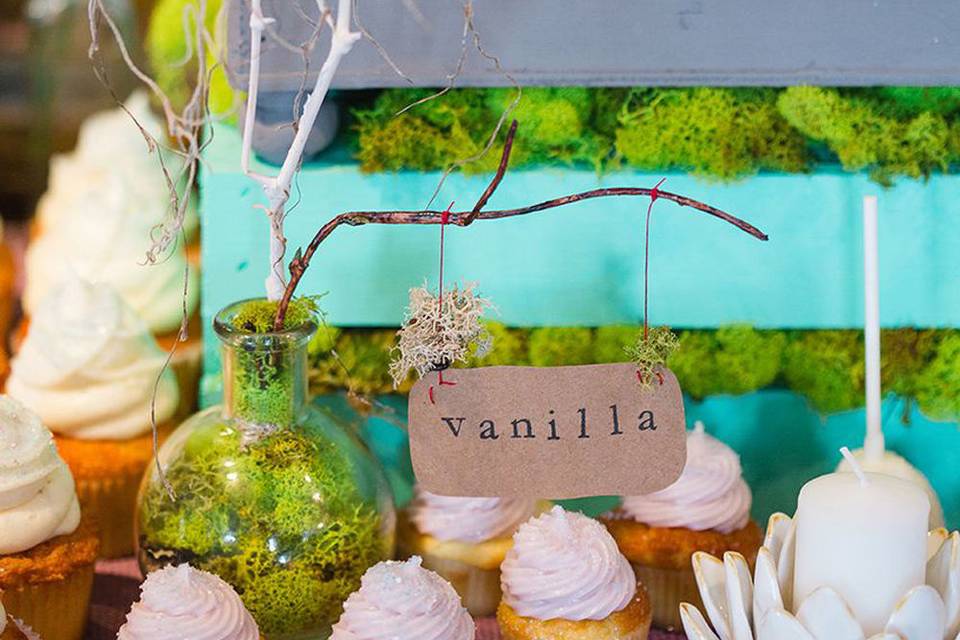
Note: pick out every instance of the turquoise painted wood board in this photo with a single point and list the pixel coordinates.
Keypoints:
(582, 265)
(781, 441)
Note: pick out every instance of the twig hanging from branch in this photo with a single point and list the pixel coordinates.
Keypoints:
(300, 262)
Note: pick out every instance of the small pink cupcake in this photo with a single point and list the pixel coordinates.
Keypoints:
(464, 540)
(401, 601)
(181, 602)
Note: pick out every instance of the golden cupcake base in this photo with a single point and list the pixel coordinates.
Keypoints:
(48, 587)
(630, 623)
(661, 558)
(107, 475)
(667, 589)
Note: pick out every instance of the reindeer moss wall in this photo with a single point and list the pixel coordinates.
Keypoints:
(717, 133)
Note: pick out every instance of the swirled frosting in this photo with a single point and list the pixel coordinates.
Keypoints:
(88, 366)
(183, 602)
(403, 600)
(38, 500)
(710, 493)
(471, 520)
(566, 565)
(102, 206)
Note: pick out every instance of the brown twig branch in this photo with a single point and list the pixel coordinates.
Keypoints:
(302, 259)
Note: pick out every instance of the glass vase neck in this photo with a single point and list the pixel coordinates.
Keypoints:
(264, 373)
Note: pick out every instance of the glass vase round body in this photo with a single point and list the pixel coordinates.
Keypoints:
(269, 492)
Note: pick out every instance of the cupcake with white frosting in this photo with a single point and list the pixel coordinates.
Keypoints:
(403, 601)
(105, 203)
(93, 373)
(565, 579)
(183, 602)
(464, 540)
(47, 553)
(706, 509)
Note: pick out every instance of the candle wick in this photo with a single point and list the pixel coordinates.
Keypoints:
(855, 465)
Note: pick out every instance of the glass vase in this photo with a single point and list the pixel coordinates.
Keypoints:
(269, 492)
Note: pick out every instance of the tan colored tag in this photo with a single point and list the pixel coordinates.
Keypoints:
(557, 432)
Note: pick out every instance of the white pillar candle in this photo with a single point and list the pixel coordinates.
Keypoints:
(863, 535)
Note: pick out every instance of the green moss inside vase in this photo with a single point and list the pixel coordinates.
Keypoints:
(272, 494)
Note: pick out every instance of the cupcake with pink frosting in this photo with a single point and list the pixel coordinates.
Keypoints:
(403, 601)
(565, 579)
(464, 540)
(706, 509)
(183, 602)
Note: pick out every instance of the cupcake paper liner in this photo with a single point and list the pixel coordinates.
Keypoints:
(55, 610)
(478, 588)
(667, 589)
(111, 502)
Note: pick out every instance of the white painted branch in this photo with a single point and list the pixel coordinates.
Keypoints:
(277, 189)
(257, 24)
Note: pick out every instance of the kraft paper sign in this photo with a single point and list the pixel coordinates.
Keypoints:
(557, 432)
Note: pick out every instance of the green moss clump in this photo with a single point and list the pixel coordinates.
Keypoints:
(719, 133)
(358, 360)
(912, 101)
(867, 134)
(693, 363)
(611, 343)
(509, 347)
(280, 519)
(937, 388)
(905, 354)
(265, 389)
(826, 367)
(556, 127)
(257, 316)
(650, 352)
(733, 359)
(553, 346)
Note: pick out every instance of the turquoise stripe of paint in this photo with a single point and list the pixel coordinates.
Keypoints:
(782, 444)
(581, 265)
